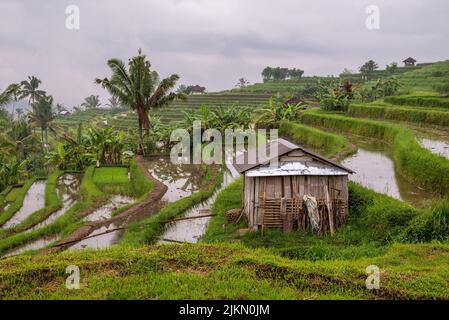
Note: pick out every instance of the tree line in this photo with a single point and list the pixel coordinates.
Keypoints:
(278, 73)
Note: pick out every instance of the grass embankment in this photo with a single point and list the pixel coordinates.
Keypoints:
(417, 164)
(52, 204)
(328, 144)
(425, 102)
(419, 116)
(112, 180)
(225, 271)
(90, 195)
(16, 199)
(146, 231)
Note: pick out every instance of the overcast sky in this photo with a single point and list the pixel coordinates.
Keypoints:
(210, 42)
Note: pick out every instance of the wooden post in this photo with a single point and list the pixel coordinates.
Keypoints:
(329, 211)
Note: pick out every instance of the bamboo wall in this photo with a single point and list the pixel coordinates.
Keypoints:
(258, 188)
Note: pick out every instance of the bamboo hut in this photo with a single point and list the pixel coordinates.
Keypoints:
(303, 191)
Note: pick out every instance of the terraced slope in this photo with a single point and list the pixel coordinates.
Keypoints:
(172, 113)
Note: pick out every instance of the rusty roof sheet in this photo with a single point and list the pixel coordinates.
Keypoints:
(241, 163)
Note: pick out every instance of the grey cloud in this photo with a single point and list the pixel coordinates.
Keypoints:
(210, 42)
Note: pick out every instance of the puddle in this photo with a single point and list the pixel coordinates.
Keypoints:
(68, 190)
(34, 245)
(192, 230)
(105, 212)
(375, 170)
(103, 241)
(34, 200)
(436, 146)
(182, 180)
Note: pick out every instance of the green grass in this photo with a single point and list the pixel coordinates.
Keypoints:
(425, 102)
(225, 271)
(417, 164)
(419, 116)
(326, 143)
(375, 221)
(112, 180)
(146, 231)
(17, 197)
(65, 224)
(52, 204)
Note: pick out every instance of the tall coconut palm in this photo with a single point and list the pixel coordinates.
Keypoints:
(139, 88)
(42, 116)
(9, 94)
(113, 102)
(91, 102)
(30, 90)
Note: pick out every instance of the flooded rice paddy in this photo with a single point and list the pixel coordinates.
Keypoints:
(191, 230)
(68, 190)
(33, 245)
(375, 170)
(181, 181)
(34, 200)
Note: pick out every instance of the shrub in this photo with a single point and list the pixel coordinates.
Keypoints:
(434, 225)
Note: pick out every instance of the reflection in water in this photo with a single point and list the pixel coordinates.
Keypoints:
(105, 212)
(182, 180)
(34, 245)
(103, 241)
(375, 170)
(34, 200)
(436, 146)
(192, 230)
(68, 188)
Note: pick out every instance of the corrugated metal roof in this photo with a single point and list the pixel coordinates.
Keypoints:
(241, 164)
(295, 169)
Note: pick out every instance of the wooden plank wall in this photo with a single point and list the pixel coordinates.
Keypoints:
(290, 187)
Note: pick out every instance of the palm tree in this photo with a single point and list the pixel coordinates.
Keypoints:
(30, 90)
(113, 102)
(42, 116)
(139, 88)
(10, 94)
(91, 102)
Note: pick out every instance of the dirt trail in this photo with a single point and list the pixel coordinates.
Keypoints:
(149, 204)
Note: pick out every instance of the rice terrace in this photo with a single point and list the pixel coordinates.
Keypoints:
(337, 190)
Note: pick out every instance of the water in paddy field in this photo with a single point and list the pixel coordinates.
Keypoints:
(191, 230)
(105, 212)
(107, 234)
(375, 170)
(67, 189)
(181, 181)
(34, 200)
(33, 245)
(439, 147)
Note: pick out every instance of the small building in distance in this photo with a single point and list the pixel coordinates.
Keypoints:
(196, 89)
(303, 191)
(409, 62)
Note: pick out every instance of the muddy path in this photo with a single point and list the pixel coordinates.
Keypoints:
(181, 180)
(147, 205)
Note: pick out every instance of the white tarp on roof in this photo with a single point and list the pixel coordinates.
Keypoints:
(296, 169)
